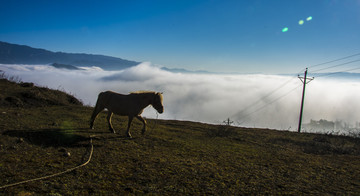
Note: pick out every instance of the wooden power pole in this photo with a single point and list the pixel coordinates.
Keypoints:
(228, 122)
(303, 80)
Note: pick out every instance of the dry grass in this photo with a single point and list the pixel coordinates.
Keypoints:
(175, 158)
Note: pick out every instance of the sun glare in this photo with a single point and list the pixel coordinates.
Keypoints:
(285, 29)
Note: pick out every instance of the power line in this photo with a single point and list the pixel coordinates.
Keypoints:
(339, 59)
(266, 96)
(266, 105)
(338, 65)
(284, 84)
(333, 73)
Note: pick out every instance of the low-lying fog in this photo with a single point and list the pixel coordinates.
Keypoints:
(252, 100)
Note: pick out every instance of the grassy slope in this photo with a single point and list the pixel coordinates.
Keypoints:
(173, 158)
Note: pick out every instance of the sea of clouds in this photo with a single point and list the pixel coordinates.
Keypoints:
(250, 100)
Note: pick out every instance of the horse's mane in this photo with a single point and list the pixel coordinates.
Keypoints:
(143, 92)
(146, 93)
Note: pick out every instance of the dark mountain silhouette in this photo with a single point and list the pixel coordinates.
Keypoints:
(63, 66)
(21, 54)
(180, 70)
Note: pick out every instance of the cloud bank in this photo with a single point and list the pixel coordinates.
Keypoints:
(252, 100)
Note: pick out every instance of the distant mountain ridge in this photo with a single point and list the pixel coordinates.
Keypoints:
(21, 54)
(180, 70)
(63, 66)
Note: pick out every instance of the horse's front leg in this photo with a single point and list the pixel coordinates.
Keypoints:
(144, 123)
(109, 121)
(128, 128)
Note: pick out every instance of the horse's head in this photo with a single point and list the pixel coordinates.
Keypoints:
(157, 102)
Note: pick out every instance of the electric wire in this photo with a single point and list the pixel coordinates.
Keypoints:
(267, 104)
(268, 94)
(263, 97)
(339, 72)
(284, 84)
(337, 65)
(339, 59)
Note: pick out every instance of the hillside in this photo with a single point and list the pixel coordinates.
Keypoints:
(26, 95)
(20, 54)
(172, 158)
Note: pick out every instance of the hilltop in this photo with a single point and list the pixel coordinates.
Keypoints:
(21, 54)
(26, 95)
(46, 131)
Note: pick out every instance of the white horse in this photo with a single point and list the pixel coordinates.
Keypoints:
(131, 105)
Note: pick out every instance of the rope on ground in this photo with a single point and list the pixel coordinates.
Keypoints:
(56, 174)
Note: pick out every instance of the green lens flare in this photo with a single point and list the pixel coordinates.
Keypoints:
(309, 18)
(301, 22)
(285, 29)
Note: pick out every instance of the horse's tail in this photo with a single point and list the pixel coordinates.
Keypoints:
(99, 106)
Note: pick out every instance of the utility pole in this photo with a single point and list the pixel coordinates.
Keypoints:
(303, 80)
(228, 122)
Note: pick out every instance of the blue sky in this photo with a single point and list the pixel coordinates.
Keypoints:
(215, 35)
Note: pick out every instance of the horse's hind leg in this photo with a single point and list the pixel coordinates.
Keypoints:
(128, 128)
(144, 123)
(109, 121)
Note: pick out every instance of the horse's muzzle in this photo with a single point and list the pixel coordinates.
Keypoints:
(160, 110)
